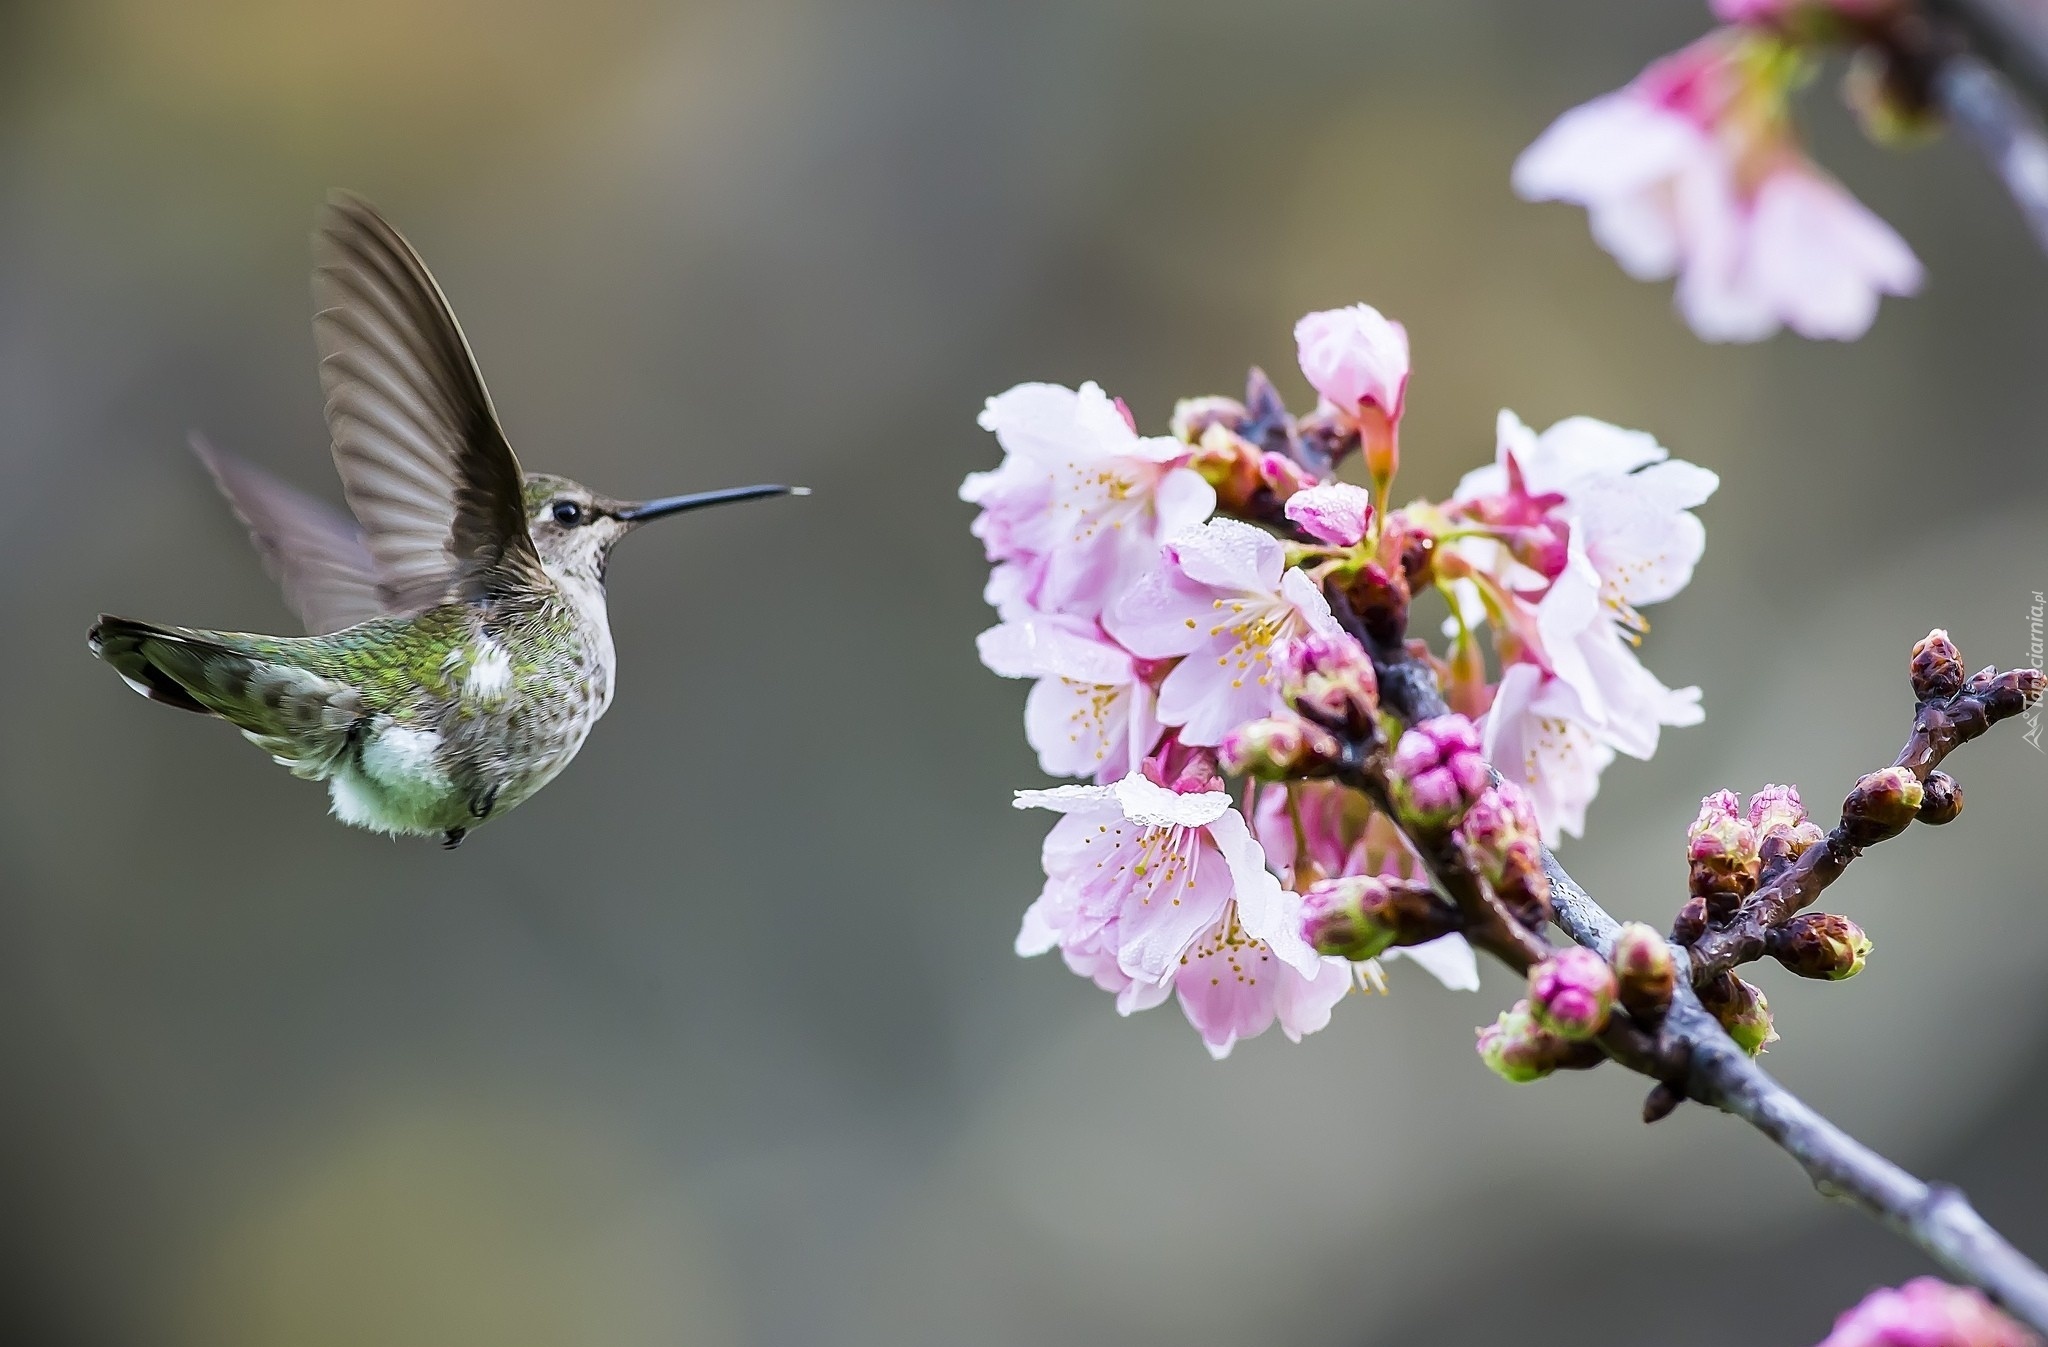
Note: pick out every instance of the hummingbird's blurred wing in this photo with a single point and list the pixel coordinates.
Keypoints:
(423, 461)
(315, 552)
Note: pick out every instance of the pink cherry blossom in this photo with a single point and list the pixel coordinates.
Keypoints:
(1233, 986)
(1536, 734)
(1692, 171)
(1926, 1312)
(1150, 892)
(1223, 599)
(1620, 507)
(1355, 357)
(1584, 646)
(1091, 711)
(1080, 503)
(1337, 513)
(1772, 11)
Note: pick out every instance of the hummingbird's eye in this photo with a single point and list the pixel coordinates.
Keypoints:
(568, 513)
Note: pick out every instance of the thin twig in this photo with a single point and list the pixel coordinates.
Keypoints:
(1939, 1220)
(2011, 34)
(1939, 727)
(2005, 131)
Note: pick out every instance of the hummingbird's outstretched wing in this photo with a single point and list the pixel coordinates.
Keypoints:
(315, 552)
(424, 463)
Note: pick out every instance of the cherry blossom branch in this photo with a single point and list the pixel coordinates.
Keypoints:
(2011, 34)
(1950, 713)
(2005, 131)
(1695, 1058)
(1963, 58)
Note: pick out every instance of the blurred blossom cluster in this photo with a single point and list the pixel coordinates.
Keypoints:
(1694, 170)
(1927, 1313)
(1171, 598)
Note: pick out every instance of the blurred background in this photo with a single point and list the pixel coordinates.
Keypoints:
(720, 1040)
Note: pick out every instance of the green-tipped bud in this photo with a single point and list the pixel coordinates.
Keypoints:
(1881, 806)
(1571, 993)
(1820, 945)
(1742, 1010)
(1937, 668)
(1279, 748)
(1518, 1049)
(1362, 916)
(1941, 799)
(1645, 974)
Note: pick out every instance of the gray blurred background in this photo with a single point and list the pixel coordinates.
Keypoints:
(720, 1040)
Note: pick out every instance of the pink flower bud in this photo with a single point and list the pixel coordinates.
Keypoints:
(1279, 748)
(1500, 838)
(1645, 974)
(1329, 679)
(1774, 807)
(1572, 993)
(1498, 820)
(1361, 916)
(1354, 358)
(1820, 945)
(1927, 1313)
(1337, 513)
(1438, 771)
(1721, 847)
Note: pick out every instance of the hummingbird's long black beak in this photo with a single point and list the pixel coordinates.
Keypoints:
(667, 505)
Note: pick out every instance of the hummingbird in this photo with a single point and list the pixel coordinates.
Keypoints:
(459, 648)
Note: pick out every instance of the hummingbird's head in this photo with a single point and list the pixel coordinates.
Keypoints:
(574, 528)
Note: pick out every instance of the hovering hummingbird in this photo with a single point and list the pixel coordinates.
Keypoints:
(460, 649)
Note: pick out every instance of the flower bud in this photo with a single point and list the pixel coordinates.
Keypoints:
(1571, 993)
(1820, 945)
(1280, 748)
(1192, 417)
(1645, 974)
(1691, 922)
(1361, 916)
(1776, 807)
(1742, 1010)
(1518, 1049)
(1937, 668)
(1437, 772)
(1722, 851)
(1336, 513)
(1329, 680)
(1941, 799)
(1501, 840)
(1282, 476)
(1927, 1313)
(1881, 806)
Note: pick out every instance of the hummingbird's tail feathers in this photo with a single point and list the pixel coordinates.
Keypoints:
(118, 642)
(300, 718)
